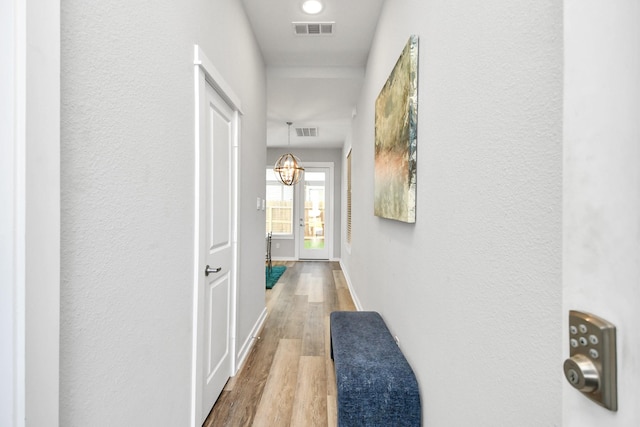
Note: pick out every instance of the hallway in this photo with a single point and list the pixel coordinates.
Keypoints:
(288, 377)
(527, 205)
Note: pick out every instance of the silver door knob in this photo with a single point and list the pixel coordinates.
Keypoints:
(208, 270)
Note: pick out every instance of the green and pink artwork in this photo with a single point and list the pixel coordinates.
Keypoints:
(396, 124)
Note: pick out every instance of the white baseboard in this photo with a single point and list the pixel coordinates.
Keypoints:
(354, 296)
(284, 259)
(248, 344)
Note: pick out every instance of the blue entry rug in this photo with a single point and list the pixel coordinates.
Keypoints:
(276, 272)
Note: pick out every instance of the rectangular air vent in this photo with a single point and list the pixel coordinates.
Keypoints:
(313, 28)
(307, 131)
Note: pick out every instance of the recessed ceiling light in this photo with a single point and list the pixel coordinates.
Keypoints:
(312, 7)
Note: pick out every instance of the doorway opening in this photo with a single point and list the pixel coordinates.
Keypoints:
(301, 217)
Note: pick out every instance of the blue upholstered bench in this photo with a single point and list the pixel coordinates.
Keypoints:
(376, 385)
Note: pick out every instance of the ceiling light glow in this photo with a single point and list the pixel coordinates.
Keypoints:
(312, 7)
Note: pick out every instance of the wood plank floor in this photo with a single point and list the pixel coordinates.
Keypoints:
(288, 377)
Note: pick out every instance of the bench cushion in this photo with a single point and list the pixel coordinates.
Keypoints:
(376, 385)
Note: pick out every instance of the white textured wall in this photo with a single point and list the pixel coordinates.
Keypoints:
(128, 199)
(473, 289)
(602, 191)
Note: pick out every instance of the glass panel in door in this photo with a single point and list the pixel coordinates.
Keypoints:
(313, 235)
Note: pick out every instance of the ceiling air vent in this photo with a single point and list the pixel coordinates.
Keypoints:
(313, 28)
(307, 131)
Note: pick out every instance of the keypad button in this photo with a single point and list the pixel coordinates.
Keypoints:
(583, 328)
(574, 343)
(583, 341)
(593, 339)
(594, 353)
(573, 329)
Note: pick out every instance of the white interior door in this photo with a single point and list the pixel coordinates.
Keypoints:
(314, 213)
(216, 247)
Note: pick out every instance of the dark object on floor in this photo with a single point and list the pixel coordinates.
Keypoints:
(376, 385)
(273, 274)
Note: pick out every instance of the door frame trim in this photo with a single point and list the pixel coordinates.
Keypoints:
(206, 73)
(330, 200)
(30, 213)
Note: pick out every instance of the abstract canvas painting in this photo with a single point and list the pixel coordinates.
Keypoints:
(396, 130)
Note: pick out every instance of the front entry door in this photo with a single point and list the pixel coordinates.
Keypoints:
(314, 214)
(217, 248)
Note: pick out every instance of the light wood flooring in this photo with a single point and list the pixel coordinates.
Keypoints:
(288, 377)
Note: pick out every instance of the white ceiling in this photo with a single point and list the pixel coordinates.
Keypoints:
(315, 80)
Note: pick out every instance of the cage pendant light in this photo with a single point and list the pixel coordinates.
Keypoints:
(287, 168)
